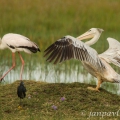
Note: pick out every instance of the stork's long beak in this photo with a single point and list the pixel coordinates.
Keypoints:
(86, 35)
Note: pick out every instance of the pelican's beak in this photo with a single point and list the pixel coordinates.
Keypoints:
(86, 35)
(90, 33)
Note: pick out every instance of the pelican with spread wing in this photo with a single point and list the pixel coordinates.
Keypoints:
(96, 64)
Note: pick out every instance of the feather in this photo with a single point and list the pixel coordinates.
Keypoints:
(70, 47)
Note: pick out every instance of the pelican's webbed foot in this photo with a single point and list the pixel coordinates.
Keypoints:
(98, 85)
(94, 89)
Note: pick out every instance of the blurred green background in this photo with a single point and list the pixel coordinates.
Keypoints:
(45, 21)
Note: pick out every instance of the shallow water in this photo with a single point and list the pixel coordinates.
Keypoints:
(61, 73)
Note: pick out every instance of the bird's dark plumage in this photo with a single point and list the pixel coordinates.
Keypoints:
(32, 49)
(21, 91)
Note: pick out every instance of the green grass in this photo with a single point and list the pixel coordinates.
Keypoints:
(37, 105)
(46, 21)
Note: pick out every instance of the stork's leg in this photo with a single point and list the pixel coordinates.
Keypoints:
(97, 87)
(22, 67)
(13, 65)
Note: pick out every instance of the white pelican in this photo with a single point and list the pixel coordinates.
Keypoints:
(17, 43)
(98, 65)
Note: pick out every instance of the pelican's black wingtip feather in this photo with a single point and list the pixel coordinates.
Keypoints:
(49, 50)
(49, 47)
(59, 51)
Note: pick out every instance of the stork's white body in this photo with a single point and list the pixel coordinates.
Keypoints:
(17, 43)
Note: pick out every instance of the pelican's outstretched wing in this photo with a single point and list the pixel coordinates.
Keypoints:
(112, 54)
(69, 47)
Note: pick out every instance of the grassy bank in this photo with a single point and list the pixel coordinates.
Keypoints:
(56, 102)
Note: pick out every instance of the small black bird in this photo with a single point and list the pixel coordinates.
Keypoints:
(21, 90)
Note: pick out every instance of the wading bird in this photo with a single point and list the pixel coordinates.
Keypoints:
(17, 43)
(21, 91)
(69, 47)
